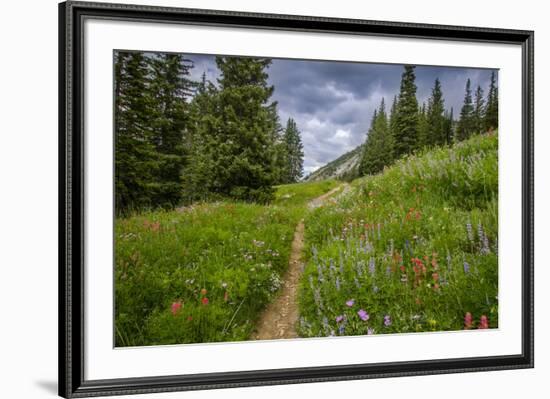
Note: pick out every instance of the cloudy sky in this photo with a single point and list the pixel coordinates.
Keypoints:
(333, 102)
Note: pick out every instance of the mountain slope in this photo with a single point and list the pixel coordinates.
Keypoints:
(343, 167)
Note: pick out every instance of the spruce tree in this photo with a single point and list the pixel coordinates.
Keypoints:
(448, 126)
(378, 148)
(435, 116)
(424, 138)
(244, 166)
(171, 88)
(135, 155)
(466, 123)
(406, 119)
(491, 109)
(294, 153)
(479, 111)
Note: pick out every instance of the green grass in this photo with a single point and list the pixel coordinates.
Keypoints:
(415, 246)
(229, 254)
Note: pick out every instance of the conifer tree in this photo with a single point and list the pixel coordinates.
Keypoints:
(448, 126)
(378, 148)
(491, 109)
(294, 153)
(479, 111)
(424, 138)
(406, 119)
(466, 123)
(435, 116)
(135, 156)
(170, 87)
(244, 166)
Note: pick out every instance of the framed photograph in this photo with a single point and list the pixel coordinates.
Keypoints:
(252, 199)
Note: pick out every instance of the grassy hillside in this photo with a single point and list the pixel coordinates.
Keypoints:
(344, 167)
(411, 249)
(202, 273)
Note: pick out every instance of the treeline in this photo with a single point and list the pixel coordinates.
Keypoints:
(178, 141)
(408, 126)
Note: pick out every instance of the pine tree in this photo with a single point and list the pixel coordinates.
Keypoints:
(466, 124)
(135, 157)
(435, 116)
(424, 138)
(244, 166)
(171, 88)
(202, 139)
(448, 127)
(406, 119)
(491, 109)
(378, 148)
(294, 153)
(479, 111)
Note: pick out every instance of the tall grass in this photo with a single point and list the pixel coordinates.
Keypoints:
(204, 272)
(412, 249)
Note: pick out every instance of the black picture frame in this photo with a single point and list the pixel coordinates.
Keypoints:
(71, 200)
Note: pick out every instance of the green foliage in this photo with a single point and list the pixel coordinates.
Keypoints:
(135, 156)
(237, 252)
(293, 167)
(415, 247)
(466, 124)
(405, 131)
(378, 148)
(491, 109)
(435, 118)
(479, 111)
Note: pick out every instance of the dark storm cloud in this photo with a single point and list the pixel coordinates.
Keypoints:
(333, 102)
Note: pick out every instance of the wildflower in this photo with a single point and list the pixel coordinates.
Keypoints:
(466, 267)
(483, 322)
(387, 320)
(339, 318)
(176, 306)
(205, 301)
(224, 285)
(350, 302)
(372, 266)
(468, 321)
(375, 289)
(203, 291)
(337, 283)
(370, 331)
(469, 231)
(363, 315)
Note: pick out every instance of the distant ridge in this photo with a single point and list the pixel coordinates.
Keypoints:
(344, 167)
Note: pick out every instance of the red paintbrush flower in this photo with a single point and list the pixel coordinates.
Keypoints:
(176, 306)
(468, 321)
(483, 322)
(205, 301)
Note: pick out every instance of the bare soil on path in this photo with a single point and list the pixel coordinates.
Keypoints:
(278, 321)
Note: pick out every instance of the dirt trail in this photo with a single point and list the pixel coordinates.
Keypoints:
(280, 317)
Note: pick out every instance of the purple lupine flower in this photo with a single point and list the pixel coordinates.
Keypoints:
(372, 266)
(337, 283)
(370, 331)
(363, 315)
(339, 318)
(387, 320)
(350, 302)
(342, 329)
(466, 267)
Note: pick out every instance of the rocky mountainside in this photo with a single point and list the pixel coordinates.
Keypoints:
(343, 167)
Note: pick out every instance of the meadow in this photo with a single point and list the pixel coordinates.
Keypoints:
(203, 273)
(412, 249)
